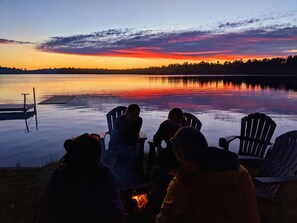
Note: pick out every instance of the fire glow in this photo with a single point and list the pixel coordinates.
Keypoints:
(141, 200)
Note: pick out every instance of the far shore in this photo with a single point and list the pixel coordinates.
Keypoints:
(267, 66)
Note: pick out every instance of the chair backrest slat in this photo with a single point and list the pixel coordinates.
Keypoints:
(113, 115)
(260, 148)
(282, 160)
(193, 120)
(256, 132)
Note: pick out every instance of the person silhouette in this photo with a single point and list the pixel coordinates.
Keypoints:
(124, 145)
(82, 189)
(165, 162)
(166, 130)
(210, 186)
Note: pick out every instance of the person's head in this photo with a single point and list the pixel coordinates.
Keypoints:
(188, 144)
(132, 112)
(176, 116)
(83, 150)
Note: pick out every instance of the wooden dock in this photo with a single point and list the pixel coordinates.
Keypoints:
(15, 107)
(19, 111)
(60, 99)
(16, 115)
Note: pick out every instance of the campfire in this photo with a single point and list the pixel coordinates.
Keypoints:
(141, 200)
(142, 203)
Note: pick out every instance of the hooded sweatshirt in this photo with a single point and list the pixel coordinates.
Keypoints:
(222, 191)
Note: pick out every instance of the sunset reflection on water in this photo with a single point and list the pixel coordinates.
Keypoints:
(218, 102)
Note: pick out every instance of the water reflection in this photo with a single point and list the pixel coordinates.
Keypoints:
(253, 82)
(194, 94)
(219, 102)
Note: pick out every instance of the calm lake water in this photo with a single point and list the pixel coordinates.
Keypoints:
(219, 102)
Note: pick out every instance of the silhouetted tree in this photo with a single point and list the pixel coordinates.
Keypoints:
(273, 66)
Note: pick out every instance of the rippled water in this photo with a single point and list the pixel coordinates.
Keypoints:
(219, 102)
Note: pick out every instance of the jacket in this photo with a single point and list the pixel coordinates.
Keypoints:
(225, 194)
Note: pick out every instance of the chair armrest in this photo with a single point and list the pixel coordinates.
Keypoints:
(274, 180)
(250, 161)
(252, 158)
(225, 141)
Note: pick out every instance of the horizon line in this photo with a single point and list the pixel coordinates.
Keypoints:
(215, 62)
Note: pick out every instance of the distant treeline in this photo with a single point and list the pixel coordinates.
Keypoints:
(273, 66)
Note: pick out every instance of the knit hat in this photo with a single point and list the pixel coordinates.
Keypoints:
(83, 149)
(190, 139)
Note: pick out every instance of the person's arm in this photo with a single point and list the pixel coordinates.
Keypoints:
(160, 134)
(175, 204)
(138, 126)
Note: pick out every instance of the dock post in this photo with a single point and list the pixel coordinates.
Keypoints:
(25, 107)
(35, 109)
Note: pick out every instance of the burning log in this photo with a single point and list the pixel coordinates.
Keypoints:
(139, 197)
(141, 200)
(142, 203)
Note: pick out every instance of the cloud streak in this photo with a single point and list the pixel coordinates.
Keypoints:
(8, 41)
(228, 40)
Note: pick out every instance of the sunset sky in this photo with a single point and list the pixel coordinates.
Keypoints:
(134, 33)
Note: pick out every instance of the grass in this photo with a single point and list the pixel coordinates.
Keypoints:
(22, 188)
(20, 192)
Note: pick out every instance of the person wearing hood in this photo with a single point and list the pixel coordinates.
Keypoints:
(210, 186)
(82, 189)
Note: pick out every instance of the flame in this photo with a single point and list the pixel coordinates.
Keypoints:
(141, 200)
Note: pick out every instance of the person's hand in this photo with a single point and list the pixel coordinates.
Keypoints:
(172, 172)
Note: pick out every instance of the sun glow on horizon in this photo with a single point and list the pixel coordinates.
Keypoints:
(29, 58)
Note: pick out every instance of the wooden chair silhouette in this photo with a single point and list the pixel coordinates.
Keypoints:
(193, 120)
(255, 135)
(277, 170)
(152, 156)
(111, 116)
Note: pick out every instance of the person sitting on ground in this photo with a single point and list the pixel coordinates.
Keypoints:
(210, 186)
(167, 129)
(124, 143)
(82, 189)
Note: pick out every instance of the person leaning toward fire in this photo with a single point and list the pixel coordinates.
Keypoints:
(165, 162)
(210, 186)
(166, 130)
(82, 189)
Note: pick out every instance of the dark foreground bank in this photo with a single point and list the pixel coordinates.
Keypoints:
(22, 188)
